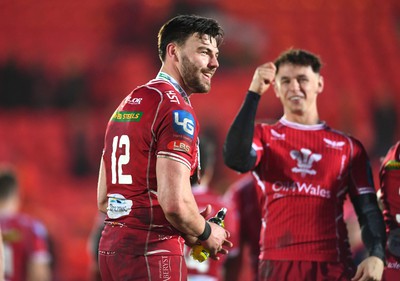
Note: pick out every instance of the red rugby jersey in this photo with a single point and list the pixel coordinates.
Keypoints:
(390, 187)
(305, 173)
(390, 196)
(155, 120)
(25, 239)
(245, 194)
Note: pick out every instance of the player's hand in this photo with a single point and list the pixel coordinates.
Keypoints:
(370, 269)
(223, 250)
(206, 212)
(218, 242)
(263, 78)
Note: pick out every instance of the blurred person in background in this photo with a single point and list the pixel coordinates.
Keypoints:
(389, 196)
(305, 169)
(205, 193)
(26, 242)
(244, 196)
(150, 157)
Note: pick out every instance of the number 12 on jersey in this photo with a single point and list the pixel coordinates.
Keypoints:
(117, 175)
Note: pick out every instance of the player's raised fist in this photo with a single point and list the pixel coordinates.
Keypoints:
(262, 78)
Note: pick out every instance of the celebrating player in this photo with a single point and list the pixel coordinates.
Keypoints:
(305, 169)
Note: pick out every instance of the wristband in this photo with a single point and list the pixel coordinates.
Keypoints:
(206, 233)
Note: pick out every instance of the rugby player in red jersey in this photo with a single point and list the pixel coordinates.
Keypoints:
(244, 196)
(305, 170)
(390, 199)
(25, 239)
(150, 154)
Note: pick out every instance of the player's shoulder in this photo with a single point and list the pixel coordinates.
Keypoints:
(392, 158)
(168, 94)
(268, 127)
(334, 136)
(159, 86)
(27, 222)
(267, 123)
(153, 87)
(395, 149)
(156, 95)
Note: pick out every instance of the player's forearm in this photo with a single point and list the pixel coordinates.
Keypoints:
(371, 223)
(176, 198)
(237, 148)
(186, 219)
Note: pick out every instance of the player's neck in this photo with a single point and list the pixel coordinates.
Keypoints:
(304, 119)
(175, 74)
(8, 207)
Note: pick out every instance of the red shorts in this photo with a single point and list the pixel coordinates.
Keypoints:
(270, 270)
(118, 262)
(116, 267)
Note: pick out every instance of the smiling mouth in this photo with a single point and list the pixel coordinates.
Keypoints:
(208, 75)
(295, 98)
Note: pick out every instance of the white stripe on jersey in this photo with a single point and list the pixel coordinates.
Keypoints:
(175, 157)
(260, 183)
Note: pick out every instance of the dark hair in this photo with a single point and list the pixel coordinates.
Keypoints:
(299, 57)
(8, 183)
(179, 28)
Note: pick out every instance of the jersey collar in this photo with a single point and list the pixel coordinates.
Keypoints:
(164, 76)
(298, 126)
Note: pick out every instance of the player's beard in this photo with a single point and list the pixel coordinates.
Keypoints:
(191, 75)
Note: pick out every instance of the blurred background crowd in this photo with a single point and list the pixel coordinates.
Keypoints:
(65, 66)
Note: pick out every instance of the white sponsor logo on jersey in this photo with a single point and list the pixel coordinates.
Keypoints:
(334, 144)
(165, 268)
(118, 206)
(284, 188)
(184, 122)
(172, 97)
(393, 265)
(134, 101)
(305, 159)
(277, 136)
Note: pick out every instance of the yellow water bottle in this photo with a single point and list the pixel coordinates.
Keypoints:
(199, 253)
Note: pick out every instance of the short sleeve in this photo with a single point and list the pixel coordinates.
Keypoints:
(177, 133)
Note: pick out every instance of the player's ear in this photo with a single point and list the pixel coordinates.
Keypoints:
(276, 89)
(172, 51)
(320, 84)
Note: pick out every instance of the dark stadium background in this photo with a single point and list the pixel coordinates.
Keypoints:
(65, 65)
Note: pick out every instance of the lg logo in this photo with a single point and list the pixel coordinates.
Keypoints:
(184, 123)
